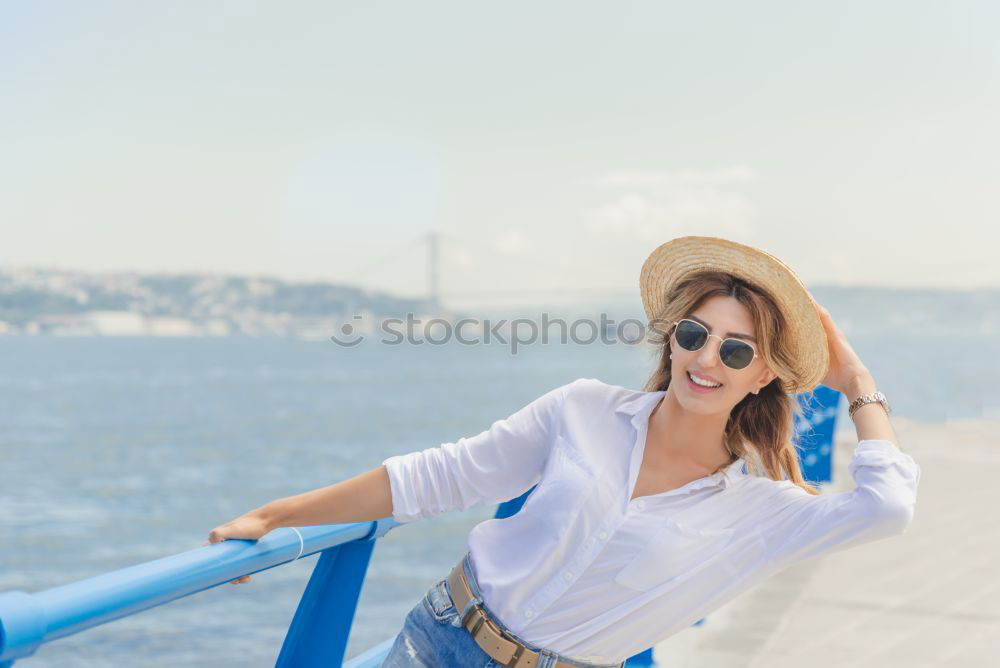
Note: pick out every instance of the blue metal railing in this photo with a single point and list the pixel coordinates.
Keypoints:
(318, 633)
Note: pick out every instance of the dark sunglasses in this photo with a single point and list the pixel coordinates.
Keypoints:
(693, 336)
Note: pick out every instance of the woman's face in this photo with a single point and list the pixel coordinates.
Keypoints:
(725, 317)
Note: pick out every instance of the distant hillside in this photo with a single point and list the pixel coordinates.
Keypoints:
(39, 300)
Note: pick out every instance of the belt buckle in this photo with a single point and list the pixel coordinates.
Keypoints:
(483, 619)
(479, 617)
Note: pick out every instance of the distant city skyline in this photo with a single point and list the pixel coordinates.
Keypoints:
(60, 303)
(552, 147)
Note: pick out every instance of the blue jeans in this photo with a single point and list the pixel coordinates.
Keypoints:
(431, 639)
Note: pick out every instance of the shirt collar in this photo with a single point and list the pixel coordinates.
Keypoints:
(639, 406)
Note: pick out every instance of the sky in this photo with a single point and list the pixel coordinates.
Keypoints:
(548, 146)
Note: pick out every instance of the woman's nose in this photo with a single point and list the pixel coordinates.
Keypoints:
(708, 356)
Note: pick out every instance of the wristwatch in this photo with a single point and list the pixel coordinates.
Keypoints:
(869, 398)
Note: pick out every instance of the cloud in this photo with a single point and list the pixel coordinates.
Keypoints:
(462, 257)
(510, 242)
(652, 206)
(681, 177)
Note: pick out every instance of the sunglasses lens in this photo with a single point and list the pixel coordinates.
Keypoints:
(690, 335)
(736, 354)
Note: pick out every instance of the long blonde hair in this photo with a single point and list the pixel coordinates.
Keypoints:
(760, 426)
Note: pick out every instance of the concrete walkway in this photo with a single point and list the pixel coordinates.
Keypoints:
(930, 597)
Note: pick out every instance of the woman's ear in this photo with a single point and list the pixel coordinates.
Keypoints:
(766, 377)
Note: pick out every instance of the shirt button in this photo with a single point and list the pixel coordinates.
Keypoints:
(529, 613)
(602, 535)
(567, 576)
(640, 504)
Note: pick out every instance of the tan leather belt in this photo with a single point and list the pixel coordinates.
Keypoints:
(487, 635)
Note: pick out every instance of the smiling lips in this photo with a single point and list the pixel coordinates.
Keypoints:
(700, 388)
(706, 378)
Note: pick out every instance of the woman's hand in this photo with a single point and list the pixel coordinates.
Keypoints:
(845, 365)
(245, 527)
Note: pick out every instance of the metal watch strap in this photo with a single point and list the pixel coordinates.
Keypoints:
(870, 398)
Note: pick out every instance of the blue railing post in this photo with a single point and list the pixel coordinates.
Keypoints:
(320, 628)
(641, 660)
(814, 433)
(322, 623)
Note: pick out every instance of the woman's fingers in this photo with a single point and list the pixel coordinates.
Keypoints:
(239, 580)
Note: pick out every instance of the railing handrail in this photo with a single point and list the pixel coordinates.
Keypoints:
(28, 620)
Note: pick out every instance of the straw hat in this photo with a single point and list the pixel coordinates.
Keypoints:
(679, 257)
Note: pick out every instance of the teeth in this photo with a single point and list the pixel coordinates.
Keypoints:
(703, 383)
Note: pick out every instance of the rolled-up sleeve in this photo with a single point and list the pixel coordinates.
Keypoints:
(882, 504)
(496, 465)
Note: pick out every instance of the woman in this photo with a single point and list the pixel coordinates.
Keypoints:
(652, 508)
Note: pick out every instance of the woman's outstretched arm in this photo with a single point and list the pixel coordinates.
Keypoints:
(364, 498)
(498, 464)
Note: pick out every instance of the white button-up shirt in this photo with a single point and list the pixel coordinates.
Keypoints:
(586, 572)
